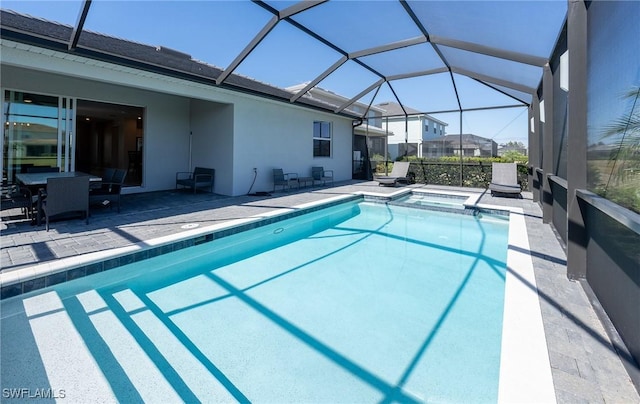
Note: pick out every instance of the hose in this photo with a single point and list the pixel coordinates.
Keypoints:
(255, 174)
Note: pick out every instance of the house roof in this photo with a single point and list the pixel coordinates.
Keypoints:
(467, 139)
(393, 109)
(40, 32)
(372, 131)
(329, 97)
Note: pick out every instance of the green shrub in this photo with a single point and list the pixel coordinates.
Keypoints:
(627, 196)
(446, 171)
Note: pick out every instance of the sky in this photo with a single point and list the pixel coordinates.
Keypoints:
(215, 32)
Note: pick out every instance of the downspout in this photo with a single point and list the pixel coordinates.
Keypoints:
(406, 135)
(190, 149)
(366, 162)
(386, 147)
(354, 125)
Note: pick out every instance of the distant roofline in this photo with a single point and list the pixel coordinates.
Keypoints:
(410, 112)
(329, 94)
(372, 130)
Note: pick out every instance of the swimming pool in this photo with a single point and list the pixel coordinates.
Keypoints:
(305, 312)
(434, 200)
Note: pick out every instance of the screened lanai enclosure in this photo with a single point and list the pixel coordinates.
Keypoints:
(561, 77)
(467, 74)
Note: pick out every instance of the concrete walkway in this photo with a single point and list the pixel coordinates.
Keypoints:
(585, 364)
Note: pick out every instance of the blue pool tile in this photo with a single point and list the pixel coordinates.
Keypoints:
(94, 268)
(10, 291)
(54, 279)
(33, 284)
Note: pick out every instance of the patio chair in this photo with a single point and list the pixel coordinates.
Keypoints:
(398, 174)
(109, 192)
(504, 180)
(200, 178)
(14, 196)
(285, 180)
(319, 174)
(65, 196)
(107, 177)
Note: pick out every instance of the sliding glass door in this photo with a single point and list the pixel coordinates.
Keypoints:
(38, 131)
(73, 135)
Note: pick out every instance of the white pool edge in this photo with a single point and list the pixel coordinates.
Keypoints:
(27, 273)
(525, 370)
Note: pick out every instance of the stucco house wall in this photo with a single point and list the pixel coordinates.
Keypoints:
(188, 122)
(211, 136)
(276, 137)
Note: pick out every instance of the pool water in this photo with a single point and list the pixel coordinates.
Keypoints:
(360, 302)
(434, 200)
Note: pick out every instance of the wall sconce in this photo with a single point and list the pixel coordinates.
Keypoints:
(532, 125)
(542, 111)
(564, 71)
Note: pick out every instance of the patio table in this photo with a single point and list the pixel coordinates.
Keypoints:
(38, 180)
(304, 180)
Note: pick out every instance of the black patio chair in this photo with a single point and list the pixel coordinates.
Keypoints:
(65, 196)
(14, 196)
(110, 191)
(284, 180)
(200, 178)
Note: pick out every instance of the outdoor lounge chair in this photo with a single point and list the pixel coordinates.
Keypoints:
(65, 195)
(284, 180)
(319, 174)
(504, 180)
(109, 190)
(200, 178)
(397, 174)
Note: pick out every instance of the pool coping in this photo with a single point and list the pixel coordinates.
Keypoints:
(525, 371)
(525, 368)
(34, 277)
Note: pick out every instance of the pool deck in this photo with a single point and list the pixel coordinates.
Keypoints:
(585, 365)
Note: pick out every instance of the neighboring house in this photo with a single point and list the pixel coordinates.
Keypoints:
(409, 133)
(506, 149)
(449, 145)
(601, 151)
(111, 100)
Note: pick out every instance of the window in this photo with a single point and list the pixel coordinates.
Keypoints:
(321, 139)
